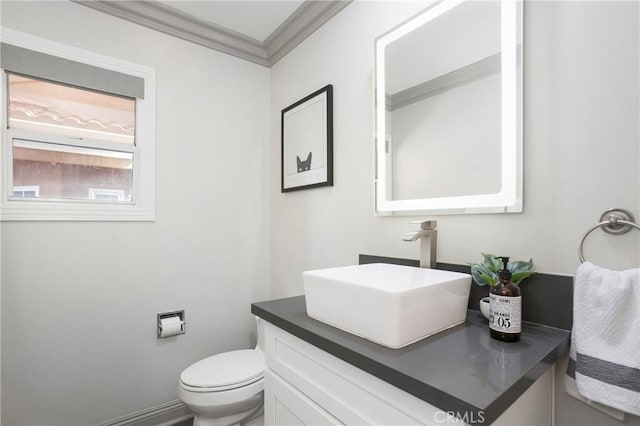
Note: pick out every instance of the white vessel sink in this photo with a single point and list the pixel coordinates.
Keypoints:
(391, 305)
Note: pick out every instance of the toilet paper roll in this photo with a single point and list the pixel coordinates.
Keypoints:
(170, 326)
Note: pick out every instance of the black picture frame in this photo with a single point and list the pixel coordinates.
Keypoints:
(307, 142)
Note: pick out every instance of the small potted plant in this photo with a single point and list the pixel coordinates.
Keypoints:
(486, 273)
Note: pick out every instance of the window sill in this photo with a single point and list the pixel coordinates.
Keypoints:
(33, 210)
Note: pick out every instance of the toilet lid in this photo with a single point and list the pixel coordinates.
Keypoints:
(225, 369)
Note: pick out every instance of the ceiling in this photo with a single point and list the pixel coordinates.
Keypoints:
(258, 31)
(255, 19)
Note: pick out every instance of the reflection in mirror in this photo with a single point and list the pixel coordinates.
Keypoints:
(448, 110)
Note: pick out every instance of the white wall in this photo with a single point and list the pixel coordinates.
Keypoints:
(581, 152)
(79, 300)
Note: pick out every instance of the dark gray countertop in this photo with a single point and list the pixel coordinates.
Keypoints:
(461, 369)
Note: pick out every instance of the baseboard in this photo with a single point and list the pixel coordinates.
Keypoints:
(165, 414)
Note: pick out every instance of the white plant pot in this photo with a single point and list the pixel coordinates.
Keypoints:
(484, 306)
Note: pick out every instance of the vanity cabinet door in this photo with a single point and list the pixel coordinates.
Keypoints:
(286, 406)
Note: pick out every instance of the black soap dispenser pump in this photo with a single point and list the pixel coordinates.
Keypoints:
(505, 307)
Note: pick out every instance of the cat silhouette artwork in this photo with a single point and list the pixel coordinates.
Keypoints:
(305, 165)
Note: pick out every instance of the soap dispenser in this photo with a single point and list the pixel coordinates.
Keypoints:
(505, 307)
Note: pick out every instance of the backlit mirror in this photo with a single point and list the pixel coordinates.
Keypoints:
(449, 110)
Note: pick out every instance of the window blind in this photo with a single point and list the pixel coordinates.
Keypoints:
(41, 65)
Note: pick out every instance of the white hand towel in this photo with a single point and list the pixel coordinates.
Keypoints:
(605, 341)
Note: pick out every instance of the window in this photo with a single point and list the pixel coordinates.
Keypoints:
(68, 140)
(78, 141)
(26, 191)
(106, 194)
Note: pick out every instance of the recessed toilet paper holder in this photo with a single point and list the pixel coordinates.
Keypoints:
(167, 316)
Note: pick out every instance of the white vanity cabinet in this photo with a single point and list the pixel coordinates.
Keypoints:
(305, 385)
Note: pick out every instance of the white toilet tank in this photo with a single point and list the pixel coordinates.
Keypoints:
(260, 334)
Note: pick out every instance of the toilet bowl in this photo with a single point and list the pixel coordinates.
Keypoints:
(225, 389)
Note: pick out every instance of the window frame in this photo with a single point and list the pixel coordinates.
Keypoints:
(142, 208)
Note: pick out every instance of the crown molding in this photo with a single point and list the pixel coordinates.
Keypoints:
(459, 77)
(163, 18)
(158, 16)
(310, 16)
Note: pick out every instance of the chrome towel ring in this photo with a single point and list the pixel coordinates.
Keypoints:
(614, 222)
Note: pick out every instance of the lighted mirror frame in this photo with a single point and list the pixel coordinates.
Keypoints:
(509, 199)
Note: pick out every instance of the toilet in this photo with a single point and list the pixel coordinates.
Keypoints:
(225, 389)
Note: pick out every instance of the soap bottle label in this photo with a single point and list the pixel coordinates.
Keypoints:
(505, 313)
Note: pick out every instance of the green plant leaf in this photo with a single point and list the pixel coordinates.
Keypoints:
(476, 274)
(520, 266)
(519, 276)
(482, 275)
(486, 273)
(490, 280)
(491, 262)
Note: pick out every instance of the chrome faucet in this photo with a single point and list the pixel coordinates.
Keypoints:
(428, 235)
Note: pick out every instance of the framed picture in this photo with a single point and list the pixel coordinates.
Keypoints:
(307, 142)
